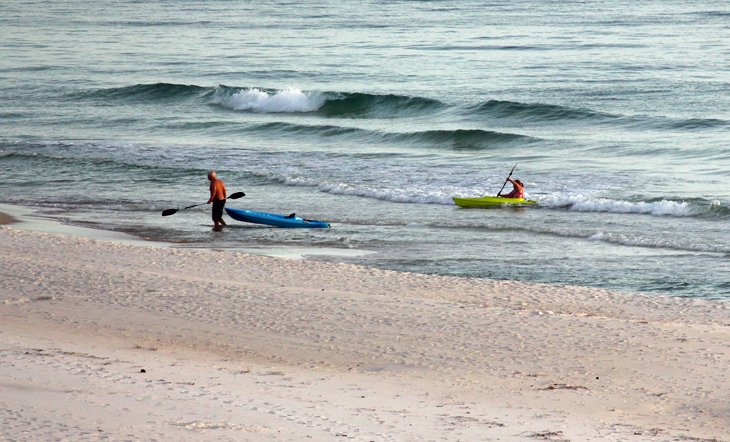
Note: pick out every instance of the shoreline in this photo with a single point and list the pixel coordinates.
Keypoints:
(335, 349)
(31, 219)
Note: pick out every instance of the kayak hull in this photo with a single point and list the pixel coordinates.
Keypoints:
(492, 201)
(275, 220)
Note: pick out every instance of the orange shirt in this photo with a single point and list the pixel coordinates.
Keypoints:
(217, 190)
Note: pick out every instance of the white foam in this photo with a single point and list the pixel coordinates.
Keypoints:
(581, 203)
(257, 100)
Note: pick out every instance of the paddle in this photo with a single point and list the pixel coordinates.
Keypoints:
(233, 196)
(507, 180)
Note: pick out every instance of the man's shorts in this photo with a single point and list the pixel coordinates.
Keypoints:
(218, 209)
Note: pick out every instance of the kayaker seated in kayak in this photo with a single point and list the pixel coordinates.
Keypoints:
(518, 189)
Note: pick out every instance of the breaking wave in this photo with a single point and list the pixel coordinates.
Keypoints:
(366, 105)
(331, 104)
(288, 100)
(259, 100)
(656, 207)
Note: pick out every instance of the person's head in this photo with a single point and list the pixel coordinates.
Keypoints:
(212, 175)
(519, 182)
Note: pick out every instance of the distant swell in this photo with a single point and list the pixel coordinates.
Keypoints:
(536, 111)
(697, 123)
(149, 92)
(325, 130)
(466, 139)
(542, 112)
(56, 162)
(462, 138)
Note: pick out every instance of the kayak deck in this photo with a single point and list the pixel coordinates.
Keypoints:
(492, 201)
(274, 219)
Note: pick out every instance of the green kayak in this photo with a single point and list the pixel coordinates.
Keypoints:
(492, 201)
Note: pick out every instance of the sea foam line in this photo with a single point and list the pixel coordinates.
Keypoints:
(416, 194)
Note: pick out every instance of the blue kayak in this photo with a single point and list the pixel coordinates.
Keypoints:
(273, 219)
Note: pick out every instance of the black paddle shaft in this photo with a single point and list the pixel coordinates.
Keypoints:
(507, 180)
(233, 196)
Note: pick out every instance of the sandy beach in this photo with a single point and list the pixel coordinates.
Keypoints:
(106, 340)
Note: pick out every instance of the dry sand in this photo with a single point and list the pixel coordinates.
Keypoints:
(240, 347)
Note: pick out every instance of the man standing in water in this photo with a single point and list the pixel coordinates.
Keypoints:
(218, 198)
(518, 189)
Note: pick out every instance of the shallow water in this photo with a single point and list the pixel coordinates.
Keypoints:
(373, 115)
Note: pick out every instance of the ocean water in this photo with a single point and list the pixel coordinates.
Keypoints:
(372, 115)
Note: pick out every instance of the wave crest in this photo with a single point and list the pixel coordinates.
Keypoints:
(581, 203)
(267, 101)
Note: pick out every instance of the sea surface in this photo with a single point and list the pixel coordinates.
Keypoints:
(372, 115)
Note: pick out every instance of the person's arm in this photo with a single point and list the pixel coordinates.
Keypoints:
(508, 179)
(212, 190)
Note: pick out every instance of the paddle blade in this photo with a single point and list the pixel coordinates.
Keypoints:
(168, 212)
(237, 195)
